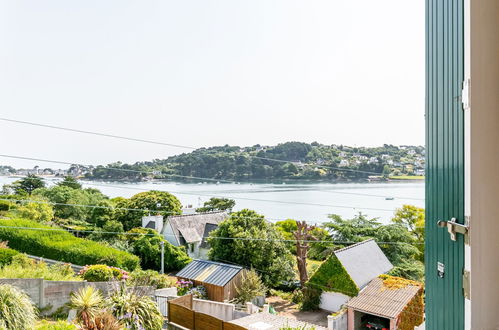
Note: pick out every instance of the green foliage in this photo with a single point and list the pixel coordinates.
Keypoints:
(60, 245)
(405, 254)
(267, 254)
(28, 184)
(148, 248)
(318, 250)
(70, 182)
(108, 232)
(251, 287)
(311, 298)
(5, 205)
(150, 278)
(135, 310)
(63, 194)
(6, 256)
(23, 267)
(59, 325)
(40, 212)
(98, 273)
(249, 163)
(332, 276)
(413, 218)
(159, 201)
(17, 312)
(217, 204)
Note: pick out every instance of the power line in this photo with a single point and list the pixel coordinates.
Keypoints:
(171, 144)
(191, 177)
(208, 237)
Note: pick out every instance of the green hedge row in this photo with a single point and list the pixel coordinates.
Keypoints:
(6, 256)
(63, 246)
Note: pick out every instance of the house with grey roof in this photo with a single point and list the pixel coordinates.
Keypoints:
(347, 271)
(191, 231)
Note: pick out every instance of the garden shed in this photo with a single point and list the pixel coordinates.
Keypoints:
(396, 301)
(219, 279)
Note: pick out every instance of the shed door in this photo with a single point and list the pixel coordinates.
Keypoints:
(445, 163)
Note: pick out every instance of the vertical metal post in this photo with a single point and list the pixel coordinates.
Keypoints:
(162, 257)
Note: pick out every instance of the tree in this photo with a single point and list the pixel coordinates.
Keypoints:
(40, 212)
(247, 239)
(28, 184)
(217, 204)
(147, 245)
(160, 202)
(413, 218)
(251, 287)
(302, 235)
(70, 182)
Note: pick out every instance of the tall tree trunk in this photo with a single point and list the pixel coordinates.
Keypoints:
(302, 236)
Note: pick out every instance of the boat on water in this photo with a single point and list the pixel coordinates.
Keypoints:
(389, 198)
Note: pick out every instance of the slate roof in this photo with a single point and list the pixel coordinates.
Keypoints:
(385, 302)
(363, 261)
(209, 272)
(190, 228)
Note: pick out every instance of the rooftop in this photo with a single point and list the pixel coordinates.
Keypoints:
(210, 272)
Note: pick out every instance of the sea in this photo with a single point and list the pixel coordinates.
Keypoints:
(312, 202)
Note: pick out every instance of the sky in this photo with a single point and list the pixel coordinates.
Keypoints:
(203, 73)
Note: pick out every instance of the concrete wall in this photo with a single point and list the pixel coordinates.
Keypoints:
(219, 310)
(333, 301)
(338, 322)
(57, 293)
(484, 163)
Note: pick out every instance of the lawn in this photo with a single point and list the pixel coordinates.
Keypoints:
(312, 266)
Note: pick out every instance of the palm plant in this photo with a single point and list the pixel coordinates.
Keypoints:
(17, 312)
(88, 302)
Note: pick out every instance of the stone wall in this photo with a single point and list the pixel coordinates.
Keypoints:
(55, 294)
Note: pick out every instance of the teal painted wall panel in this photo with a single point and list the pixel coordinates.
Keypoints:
(445, 162)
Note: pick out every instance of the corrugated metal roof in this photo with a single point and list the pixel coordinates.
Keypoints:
(209, 272)
(378, 300)
(363, 261)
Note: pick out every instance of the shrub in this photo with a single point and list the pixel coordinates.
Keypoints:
(135, 310)
(250, 288)
(5, 205)
(97, 273)
(59, 325)
(6, 256)
(199, 292)
(40, 212)
(102, 273)
(17, 312)
(150, 278)
(23, 267)
(311, 299)
(60, 245)
(297, 297)
(183, 287)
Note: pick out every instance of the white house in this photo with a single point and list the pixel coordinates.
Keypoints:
(362, 262)
(191, 231)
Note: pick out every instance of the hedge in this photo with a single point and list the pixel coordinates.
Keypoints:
(63, 246)
(6, 256)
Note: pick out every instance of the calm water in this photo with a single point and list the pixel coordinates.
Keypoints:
(282, 201)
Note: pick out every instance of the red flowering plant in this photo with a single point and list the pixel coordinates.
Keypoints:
(183, 287)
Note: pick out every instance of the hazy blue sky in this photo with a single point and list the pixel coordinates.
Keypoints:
(205, 73)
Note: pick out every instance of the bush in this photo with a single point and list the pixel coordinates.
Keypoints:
(63, 246)
(23, 267)
(311, 299)
(6, 256)
(199, 292)
(102, 273)
(98, 273)
(150, 278)
(251, 287)
(40, 212)
(59, 325)
(16, 309)
(183, 287)
(5, 205)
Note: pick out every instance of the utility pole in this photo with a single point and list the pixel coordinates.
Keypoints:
(162, 257)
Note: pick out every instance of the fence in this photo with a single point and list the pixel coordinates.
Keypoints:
(76, 268)
(181, 314)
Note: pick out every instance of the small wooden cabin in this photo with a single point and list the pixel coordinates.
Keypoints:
(219, 279)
